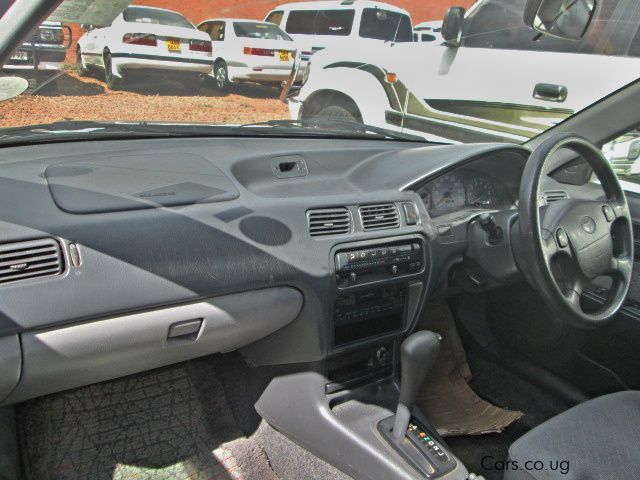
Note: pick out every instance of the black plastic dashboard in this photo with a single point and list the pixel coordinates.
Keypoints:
(146, 226)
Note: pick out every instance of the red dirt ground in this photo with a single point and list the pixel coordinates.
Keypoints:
(89, 99)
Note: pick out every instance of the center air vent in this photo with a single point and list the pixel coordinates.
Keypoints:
(34, 258)
(379, 217)
(554, 196)
(329, 221)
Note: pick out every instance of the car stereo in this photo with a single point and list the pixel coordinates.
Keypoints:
(373, 284)
(369, 313)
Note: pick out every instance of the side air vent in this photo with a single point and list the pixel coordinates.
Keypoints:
(379, 217)
(554, 196)
(329, 221)
(34, 258)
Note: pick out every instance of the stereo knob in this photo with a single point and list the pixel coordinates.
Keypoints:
(383, 355)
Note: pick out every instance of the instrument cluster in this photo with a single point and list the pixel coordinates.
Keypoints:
(463, 190)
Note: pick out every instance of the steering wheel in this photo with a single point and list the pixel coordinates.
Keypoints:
(569, 243)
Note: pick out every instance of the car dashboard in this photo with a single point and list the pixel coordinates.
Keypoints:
(289, 250)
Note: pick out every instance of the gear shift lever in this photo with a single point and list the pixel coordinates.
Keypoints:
(418, 354)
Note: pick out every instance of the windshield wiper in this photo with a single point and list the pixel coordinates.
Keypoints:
(330, 126)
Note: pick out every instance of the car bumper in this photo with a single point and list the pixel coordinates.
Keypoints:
(37, 57)
(266, 73)
(131, 61)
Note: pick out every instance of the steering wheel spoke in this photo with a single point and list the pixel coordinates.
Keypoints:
(622, 267)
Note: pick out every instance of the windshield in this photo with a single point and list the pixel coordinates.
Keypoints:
(327, 67)
(259, 30)
(157, 17)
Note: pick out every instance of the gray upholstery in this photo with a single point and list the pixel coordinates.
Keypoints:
(600, 439)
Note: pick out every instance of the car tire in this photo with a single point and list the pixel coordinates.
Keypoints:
(336, 112)
(112, 81)
(81, 69)
(221, 76)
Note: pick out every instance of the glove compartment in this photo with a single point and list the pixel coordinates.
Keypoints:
(85, 353)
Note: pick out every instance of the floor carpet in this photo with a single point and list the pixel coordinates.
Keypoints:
(172, 423)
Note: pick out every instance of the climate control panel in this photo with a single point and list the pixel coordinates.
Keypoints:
(357, 266)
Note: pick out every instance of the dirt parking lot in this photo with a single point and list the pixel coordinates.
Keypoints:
(75, 98)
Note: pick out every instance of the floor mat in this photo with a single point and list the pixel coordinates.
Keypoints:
(163, 424)
(452, 407)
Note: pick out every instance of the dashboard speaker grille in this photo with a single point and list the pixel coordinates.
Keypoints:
(28, 259)
(329, 221)
(379, 217)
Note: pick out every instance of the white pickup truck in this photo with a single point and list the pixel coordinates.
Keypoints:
(449, 92)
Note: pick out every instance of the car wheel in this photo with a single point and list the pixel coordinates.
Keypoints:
(221, 76)
(337, 112)
(80, 67)
(112, 81)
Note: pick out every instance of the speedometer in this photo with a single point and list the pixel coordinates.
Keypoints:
(447, 193)
(481, 192)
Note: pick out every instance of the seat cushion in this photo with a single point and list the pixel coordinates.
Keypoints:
(598, 439)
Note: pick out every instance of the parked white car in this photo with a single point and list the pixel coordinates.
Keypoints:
(448, 92)
(248, 51)
(143, 39)
(428, 32)
(320, 24)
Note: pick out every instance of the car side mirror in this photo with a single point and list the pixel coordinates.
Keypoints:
(566, 19)
(452, 26)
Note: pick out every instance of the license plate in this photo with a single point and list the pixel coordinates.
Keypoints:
(20, 55)
(173, 45)
(285, 56)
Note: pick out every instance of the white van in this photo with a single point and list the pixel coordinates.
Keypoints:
(325, 23)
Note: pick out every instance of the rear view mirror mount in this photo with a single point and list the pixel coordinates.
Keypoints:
(452, 26)
(566, 19)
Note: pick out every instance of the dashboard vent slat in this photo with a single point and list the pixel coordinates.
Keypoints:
(555, 195)
(29, 259)
(329, 221)
(379, 217)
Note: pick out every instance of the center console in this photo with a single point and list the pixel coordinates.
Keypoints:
(351, 404)
(378, 289)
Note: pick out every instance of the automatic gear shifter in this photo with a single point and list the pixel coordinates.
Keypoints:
(418, 354)
(411, 436)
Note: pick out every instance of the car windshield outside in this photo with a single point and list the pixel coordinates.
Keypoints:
(326, 67)
(158, 17)
(259, 30)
